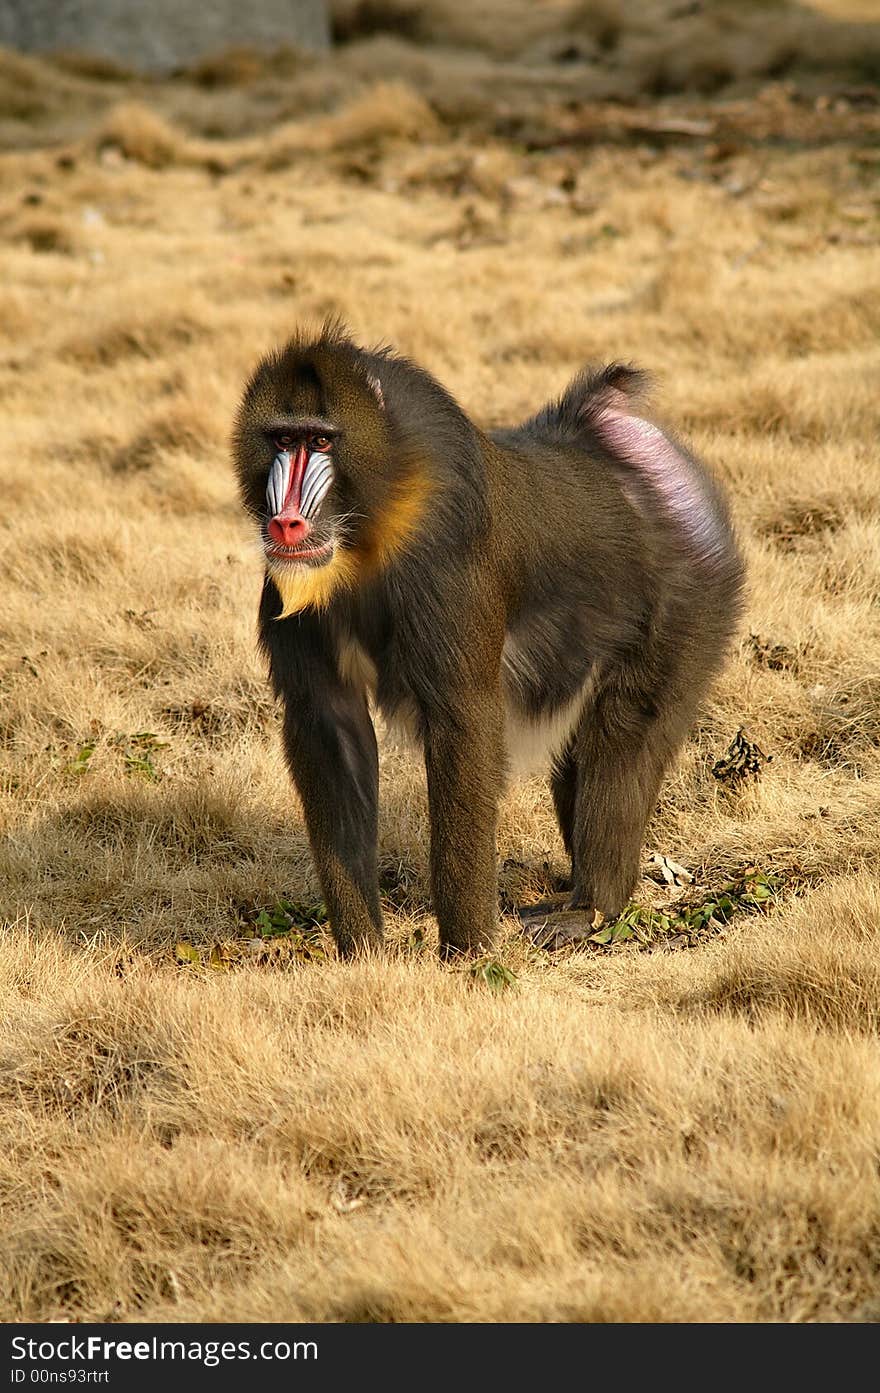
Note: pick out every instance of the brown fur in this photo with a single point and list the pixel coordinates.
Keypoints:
(535, 580)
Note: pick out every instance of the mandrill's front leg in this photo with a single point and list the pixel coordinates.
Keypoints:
(331, 750)
(464, 759)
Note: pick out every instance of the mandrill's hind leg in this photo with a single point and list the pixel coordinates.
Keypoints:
(563, 785)
(607, 789)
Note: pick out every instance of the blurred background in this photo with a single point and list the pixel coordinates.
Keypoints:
(514, 68)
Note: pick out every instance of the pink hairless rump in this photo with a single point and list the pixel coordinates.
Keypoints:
(668, 472)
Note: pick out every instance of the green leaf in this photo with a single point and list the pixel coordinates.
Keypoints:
(758, 892)
(186, 953)
(493, 974)
(287, 918)
(142, 765)
(149, 740)
(80, 762)
(263, 923)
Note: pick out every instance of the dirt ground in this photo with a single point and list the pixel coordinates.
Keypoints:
(206, 1115)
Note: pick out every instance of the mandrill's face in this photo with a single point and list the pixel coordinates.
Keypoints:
(312, 449)
(295, 533)
(307, 530)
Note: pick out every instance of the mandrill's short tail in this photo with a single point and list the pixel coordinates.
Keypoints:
(616, 387)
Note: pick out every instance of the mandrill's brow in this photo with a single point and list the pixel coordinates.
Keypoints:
(303, 426)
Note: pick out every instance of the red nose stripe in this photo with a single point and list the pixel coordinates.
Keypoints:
(297, 470)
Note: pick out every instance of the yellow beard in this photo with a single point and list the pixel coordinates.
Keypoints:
(313, 585)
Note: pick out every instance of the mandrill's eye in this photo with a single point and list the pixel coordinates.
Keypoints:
(321, 442)
(284, 442)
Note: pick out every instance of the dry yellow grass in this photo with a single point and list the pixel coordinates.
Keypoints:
(625, 1134)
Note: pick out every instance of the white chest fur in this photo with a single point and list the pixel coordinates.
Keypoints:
(532, 742)
(356, 667)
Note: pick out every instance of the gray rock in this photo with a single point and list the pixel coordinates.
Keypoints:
(160, 35)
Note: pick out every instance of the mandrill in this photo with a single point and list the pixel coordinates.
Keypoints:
(561, 591)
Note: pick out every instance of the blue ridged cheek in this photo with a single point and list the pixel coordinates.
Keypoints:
(317, 479)
(279, 482)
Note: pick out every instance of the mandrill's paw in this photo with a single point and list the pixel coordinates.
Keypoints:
(562, 929)
(529, 913)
